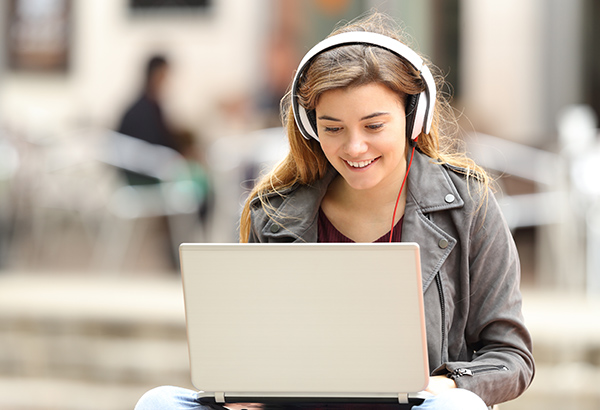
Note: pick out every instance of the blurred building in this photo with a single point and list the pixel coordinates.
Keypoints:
(70, 66)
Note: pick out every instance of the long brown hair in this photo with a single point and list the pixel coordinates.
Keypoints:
(356, 65)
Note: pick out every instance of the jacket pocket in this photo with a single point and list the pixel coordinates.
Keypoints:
(474, 370)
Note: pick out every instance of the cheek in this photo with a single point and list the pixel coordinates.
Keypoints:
(395, 149)
(328, 149)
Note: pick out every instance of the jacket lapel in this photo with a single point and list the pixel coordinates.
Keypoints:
(430, 190)
(296, 218)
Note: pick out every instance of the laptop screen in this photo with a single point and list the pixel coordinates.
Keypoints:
(305, 320)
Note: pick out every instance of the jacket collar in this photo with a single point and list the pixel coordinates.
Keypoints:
(430, 187)
(295, 220)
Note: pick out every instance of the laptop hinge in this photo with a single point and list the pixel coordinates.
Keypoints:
(403, 398)
(220, 397)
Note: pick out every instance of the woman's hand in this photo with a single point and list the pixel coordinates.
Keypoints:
(438, 384)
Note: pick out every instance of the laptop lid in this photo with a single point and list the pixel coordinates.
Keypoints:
(312, 322)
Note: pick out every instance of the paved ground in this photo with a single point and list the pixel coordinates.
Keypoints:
(99, 341)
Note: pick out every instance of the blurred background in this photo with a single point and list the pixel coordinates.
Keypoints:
(130, 126)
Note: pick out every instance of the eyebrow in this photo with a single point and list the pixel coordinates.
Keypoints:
(367, 117)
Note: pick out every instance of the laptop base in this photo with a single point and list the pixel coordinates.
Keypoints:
(315, 403)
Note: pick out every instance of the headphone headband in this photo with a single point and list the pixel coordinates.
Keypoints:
(424, 102)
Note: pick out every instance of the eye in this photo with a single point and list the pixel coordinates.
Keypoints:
(375, 127)
(332, 130)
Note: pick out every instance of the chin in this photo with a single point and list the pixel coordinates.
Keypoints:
(361, 186)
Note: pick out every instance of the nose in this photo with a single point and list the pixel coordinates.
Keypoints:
(355, 144)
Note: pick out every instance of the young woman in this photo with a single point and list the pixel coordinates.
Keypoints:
(371, 160)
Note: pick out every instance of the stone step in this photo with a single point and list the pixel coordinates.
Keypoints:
(565, 327)
(107, 329)
(90, 342)
(59, 394)
(94, 358)
(562, 386)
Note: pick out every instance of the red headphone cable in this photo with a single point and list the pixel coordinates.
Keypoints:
(400, 193)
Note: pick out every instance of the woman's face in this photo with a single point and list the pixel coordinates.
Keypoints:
(362, 133)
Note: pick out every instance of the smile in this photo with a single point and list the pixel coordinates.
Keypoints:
(360, 164)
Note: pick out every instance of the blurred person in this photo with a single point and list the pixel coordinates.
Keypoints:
(144, 119)
(370, 161)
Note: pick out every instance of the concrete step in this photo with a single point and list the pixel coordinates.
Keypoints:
(100, 341)
(562, 386)
(565, 327)
(104, 330)
(95, 358)
(566, 333)
(60, 394)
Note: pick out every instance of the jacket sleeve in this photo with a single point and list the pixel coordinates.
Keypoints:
(502, 364)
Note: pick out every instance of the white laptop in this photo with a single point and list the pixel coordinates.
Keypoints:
(305, 323)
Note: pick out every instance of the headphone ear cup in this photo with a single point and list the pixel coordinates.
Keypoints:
(312, 119)
(306, 122)
(411, 103)
(419, 115)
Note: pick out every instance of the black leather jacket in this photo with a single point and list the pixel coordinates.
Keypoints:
(470, 269)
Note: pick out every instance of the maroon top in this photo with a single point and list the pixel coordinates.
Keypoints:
(328, 233)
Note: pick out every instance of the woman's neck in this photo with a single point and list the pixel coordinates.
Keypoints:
(363, 215)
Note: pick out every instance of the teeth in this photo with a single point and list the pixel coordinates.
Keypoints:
(360, 164)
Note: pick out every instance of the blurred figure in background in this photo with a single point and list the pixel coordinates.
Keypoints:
(166, 161)
(145, 119)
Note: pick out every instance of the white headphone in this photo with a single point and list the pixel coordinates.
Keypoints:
(423, 103)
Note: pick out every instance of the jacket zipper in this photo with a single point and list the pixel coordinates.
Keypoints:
(438, 280)
(472, 371)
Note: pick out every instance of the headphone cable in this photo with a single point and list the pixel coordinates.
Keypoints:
(400, 193)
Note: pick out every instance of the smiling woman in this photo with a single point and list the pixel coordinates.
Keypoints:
(368, 154)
